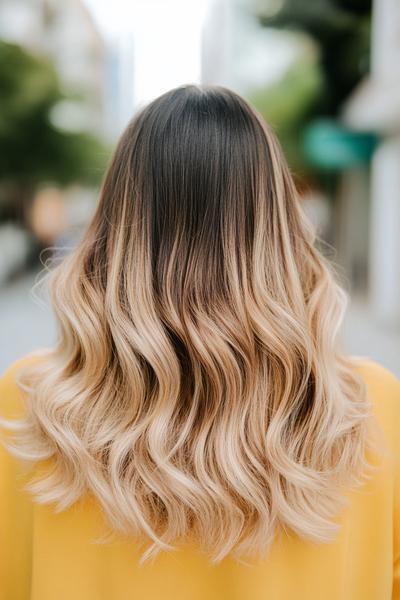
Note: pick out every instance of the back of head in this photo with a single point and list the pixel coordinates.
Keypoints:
(196, 387)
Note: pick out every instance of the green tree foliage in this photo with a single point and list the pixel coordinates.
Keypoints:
(32, 149)
(288, 104)
(340, 29)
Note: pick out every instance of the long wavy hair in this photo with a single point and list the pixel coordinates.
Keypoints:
(196, 387)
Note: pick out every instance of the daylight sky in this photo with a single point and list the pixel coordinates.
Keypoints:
(166, 39)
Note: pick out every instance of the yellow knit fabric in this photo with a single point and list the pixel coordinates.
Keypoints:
(57, 556)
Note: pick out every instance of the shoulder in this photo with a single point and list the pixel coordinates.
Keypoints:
(13, 411)
(383, 391)
(16, 509)
(383, 386)
(375, 373)
(11, 403)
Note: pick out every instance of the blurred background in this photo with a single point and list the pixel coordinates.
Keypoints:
(324, 73)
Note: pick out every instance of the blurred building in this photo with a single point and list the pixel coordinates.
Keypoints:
(375, 106)
(218, 37)
(119, 92)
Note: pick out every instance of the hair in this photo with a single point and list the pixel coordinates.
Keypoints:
(196, 387)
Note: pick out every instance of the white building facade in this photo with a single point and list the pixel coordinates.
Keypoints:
(375, 106)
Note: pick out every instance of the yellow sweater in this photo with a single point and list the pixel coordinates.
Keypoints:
(54, 556)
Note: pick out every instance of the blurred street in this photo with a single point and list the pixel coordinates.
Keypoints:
(26, 325)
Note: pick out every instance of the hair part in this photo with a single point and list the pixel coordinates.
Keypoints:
(196, 387)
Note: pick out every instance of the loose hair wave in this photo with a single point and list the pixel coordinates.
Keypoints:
(196, 387)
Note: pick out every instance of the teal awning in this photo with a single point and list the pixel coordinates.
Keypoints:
(330, 145)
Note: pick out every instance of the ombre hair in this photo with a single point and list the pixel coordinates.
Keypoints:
(196, 389)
